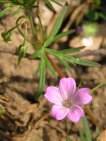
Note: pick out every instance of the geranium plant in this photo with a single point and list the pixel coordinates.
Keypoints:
(67, 99)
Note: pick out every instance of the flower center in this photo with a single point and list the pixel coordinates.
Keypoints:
(67, 104)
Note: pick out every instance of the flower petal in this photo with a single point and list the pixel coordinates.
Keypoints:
(67, 87)
(53, 95)
(82, 96)
(59, 112)
(75, 114)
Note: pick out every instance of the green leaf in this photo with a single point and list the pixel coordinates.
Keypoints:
(42, 30)
(52, 70)
(57, 37)
(86, 129)
(3, 12)
(53, 52)
(79, 61)
(42, 73)
(86, 63)
(71, 59)
(72, 50)
(58, 22)
(36, 54)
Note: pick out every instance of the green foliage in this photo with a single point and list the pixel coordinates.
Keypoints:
(42, 49)
(71, 58)
(58, 22)
(36, 54)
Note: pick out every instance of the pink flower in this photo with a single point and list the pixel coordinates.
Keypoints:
(67, 100)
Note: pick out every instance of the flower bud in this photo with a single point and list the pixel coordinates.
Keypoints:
(22, 51)
(6, 36)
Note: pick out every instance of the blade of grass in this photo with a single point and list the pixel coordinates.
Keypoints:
(86, 129)
(98, 86)
(82, 138)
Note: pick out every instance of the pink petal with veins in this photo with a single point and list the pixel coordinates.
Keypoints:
(75, 114)
(59, 112)
(53, 95)
(67, 87)
(82, 96)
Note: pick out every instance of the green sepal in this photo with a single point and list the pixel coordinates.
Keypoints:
(21, 53)
(6, 35)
